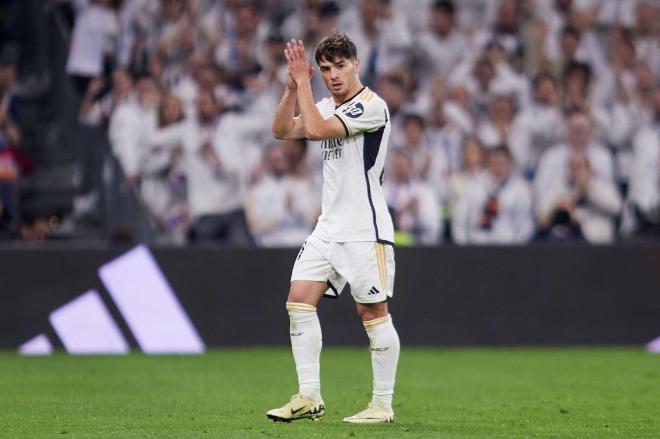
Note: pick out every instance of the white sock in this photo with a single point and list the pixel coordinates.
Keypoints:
(384, 357)
(306, 342)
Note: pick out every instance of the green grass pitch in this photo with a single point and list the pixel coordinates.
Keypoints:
(441, 393)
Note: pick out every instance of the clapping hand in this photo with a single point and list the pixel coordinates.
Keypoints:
(299, 68)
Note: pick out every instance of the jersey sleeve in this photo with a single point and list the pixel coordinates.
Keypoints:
(365, 114)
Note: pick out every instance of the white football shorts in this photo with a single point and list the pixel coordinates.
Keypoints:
(368, 267)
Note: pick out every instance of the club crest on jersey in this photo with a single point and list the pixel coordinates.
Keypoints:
(354, 111)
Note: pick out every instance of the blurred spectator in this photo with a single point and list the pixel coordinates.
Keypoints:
(633, 111)
(647, 46)
(537, 126)
(445, 138)
(568, 42)
(442, 45)
(187, 34)
(283, 206)
(13, 164)
(552, 169)
(392, 89)
(303, 21)
(434, 100)
(239, 52)
(496, 129)
(617, 13)
(94, 41)
(9, 174)
(488, 77)
(578, 94)
(447, 69)
(412, 202)
(583, 209)
(7, 88)
(296, 154)
(34, 228)
(644, 189)
(128, 128)
(211, 162)
(416, 144)
(383, 39)
(571, 36)
(505, 31)
(472, 167)
(99, 103)
(162, 186)
(474, 15)
(495, 208)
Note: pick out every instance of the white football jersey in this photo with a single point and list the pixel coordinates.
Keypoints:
(353, 205)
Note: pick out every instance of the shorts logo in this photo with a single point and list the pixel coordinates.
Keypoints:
(354, 111)
(373, 291)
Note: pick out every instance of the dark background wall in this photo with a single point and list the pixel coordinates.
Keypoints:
(443, 296)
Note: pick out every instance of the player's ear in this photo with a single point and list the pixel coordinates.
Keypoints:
(356, 62)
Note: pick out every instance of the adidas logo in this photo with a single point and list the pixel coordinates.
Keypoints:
(144, 299)
(373, 291)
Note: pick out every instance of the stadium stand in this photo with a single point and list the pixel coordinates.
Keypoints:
(97, 97)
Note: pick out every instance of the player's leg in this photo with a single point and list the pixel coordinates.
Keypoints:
(385, 347)
(371, 286)
(305, 333)
(306, 289)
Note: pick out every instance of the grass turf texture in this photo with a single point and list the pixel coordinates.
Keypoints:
(441, 393)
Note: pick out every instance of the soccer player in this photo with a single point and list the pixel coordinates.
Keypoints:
(352, 241)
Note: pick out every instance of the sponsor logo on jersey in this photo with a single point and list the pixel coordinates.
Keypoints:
(331, 149)
(354, 111)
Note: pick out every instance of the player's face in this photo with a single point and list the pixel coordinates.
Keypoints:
(340, 76)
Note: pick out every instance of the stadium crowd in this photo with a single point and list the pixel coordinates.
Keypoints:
(513, 120)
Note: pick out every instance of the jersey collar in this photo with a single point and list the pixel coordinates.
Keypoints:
(351, 98)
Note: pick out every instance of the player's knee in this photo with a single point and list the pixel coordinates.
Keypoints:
(296, 297)
(305, 292)
(372, 311)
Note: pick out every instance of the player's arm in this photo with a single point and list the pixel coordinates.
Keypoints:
(315, 126)
(285, 125)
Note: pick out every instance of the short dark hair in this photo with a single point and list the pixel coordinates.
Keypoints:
(337, 45)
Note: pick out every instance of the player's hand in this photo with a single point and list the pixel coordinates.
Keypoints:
(299, 67)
